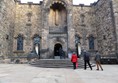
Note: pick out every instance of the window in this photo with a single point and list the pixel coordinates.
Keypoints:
(82, 16)
(77, 39)
(91, 42)
(29, 15)
(104, 37)
(19, 42)
(77, 44)
(36, 40)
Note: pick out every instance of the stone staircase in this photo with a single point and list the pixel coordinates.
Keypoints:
(57, 63)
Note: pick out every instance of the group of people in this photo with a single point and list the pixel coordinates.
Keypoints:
(86, 57)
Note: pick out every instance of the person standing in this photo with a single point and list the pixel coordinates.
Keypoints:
(61, 53)
(86, 60)
(97, 59)
(74, 60)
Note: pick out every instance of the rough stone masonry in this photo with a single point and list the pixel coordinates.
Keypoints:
(53, 24)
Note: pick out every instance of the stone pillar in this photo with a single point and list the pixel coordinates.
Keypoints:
(45, 31)
(115, 20)
(71, 31)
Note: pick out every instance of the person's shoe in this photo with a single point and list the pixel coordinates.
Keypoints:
(97, 69)
(102, 69)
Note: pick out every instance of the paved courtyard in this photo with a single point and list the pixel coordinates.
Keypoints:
(24, 73)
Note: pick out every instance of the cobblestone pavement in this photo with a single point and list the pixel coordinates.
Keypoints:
(24, 73)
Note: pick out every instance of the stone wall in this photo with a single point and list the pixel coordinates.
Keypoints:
(104, 27)
(84, 24)
(28, 23)
(7, 20)
(99, 20)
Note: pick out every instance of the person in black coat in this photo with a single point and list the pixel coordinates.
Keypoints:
(86, 56)
(61, 53)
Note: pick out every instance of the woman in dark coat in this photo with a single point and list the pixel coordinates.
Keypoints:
(87, 60)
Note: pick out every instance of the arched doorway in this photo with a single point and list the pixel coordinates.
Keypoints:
(56, 49)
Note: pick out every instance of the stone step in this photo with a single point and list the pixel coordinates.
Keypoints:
(56, 63)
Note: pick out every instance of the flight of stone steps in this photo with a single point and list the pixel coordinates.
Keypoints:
(57, 63)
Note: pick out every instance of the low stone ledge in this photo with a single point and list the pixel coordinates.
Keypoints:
(109, 60)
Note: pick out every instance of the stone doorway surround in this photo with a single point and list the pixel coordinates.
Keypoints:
(56, 49)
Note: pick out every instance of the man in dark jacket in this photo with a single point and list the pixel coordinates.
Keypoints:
(86, 56)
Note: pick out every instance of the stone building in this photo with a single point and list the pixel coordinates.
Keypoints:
(47, 26)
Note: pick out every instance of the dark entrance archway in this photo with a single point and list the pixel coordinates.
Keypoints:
(56, 49)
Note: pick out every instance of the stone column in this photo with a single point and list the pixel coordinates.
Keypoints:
(71, 31)
(45, 33)
(114, 8)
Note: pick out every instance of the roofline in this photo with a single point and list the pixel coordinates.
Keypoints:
(31, 3)
(95, 3)
(82, 5)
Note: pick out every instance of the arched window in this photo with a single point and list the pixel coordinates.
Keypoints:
(20, 42)
(36, 40)
(91, 42)
(77, 39)
(77, 44)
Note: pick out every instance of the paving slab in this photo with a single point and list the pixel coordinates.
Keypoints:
(25, 73)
